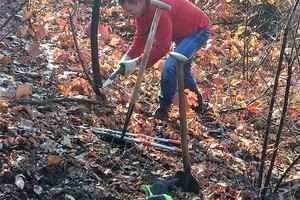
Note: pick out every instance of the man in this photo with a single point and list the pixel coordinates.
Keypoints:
(186, 25)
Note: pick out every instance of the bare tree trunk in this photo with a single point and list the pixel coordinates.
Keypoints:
(94, 49)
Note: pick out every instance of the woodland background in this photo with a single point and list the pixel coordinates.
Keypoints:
(247, 144)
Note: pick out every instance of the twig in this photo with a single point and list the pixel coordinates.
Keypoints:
(245, 56)
(285, 173)
(237, 21)
(231, 110)
(13, 14)
(9, 31)
(58, 100)
(249, 103)
(77, 47)
(94, 86)
(284, 110)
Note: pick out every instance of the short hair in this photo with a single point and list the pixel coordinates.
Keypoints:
(121, 2)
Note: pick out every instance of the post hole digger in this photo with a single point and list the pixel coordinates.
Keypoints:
(186, 180)
(159, 7)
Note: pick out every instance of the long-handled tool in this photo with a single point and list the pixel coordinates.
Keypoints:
(159, 7)
(187, 181)
(137, 140)
(113, 76)
(166, 140)
(139, 135)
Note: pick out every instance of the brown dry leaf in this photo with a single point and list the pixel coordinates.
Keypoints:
(28, 110)
(23, 90)
(34, 49)
(23, 30)
(54, 159)
(41, 32)
(6, 59)
(27, 15)
(31, 32)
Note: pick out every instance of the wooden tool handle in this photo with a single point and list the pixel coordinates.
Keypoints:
(149, 43)
(148, 47)
(181, 59)
(160, 5)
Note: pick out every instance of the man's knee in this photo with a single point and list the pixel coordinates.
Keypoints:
(169, 69)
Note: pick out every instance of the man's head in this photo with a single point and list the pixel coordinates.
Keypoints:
(136, 8)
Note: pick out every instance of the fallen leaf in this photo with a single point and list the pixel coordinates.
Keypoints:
(54, 191)
(203, 182)
(6, 59)
(38, 189)
(69, 197)
(23, 90)
(54, 159)
(19, 181)
(41, 32)
(103, 30)
(61, 22)
(28, 110)
(27, 15)
(219, 81)
(47, 17)
(67, 141)
(34, 49)
(253, 109)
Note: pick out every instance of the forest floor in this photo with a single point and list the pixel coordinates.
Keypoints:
(45, 100)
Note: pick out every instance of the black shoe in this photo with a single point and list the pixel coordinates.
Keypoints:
(199, 108)
(161, 113)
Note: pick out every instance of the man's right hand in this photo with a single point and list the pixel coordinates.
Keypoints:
(127, 67)
(125, 58)
(122, 67)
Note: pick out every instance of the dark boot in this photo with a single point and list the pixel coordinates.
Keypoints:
(161, 112)
(200, 107)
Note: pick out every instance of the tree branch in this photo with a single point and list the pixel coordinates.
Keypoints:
(58, 100)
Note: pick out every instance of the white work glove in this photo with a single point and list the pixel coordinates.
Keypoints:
(125, 58)
(128, 66)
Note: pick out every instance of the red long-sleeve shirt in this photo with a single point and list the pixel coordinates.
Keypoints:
(183, 20)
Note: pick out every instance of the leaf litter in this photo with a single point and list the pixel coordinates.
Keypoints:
(45, 156)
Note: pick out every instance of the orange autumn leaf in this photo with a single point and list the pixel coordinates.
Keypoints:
(23, 30)
(192, 98)
(203, 182)
(6, 59)
(117, 55)
(103, 30)
(253, 109)
(31, 32)
(176, 101)
(28, 14)
(47, 17)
